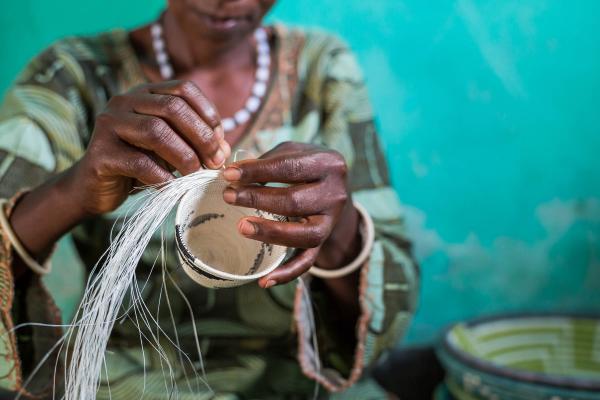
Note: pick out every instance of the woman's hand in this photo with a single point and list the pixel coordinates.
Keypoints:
(141, 136)
(316, 200)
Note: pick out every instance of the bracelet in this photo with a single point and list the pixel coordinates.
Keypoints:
(367, 231)
(12, 237)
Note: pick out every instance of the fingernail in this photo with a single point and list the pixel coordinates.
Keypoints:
(232, 174)
(247, 228)
(219, 158)
(229, 195)
(270, 283)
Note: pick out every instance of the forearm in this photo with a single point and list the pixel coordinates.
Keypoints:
(340, 249)
(43, 215)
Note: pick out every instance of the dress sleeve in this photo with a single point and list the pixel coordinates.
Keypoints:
(42, 125)
(389, 279)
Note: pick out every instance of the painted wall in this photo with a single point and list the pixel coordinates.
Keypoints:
(489, 111)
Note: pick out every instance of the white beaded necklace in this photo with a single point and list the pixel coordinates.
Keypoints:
(261, 79)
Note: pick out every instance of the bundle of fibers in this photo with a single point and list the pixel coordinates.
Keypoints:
(114, 276)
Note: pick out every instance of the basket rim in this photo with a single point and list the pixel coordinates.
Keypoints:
(490, 368)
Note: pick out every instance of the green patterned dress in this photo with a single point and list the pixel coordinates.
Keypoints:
(255, 343)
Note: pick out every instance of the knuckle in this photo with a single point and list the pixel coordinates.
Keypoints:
(342, 168)
(206, 136)
(137, 163)
(188, 88)
(336, 200)
(210, 113)
(252, 198)
(98, 168)
(246, 198)
(205, 104)
(190, 159)
(173, 105)
(320, 233)
(150, 124)
(142, 166)
(295, 201)
(337, 162)
(341, 197)
(153, 169)
(157, 130)
(294, 167)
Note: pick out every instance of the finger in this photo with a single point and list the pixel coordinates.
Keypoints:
(311, 232)
(287, 168)
(192, 94)
(187, 123)
(207, 142)
(138, 165)
(155, 135)
(293, 268)
(294, 201)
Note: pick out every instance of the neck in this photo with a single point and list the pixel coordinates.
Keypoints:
(189, 54)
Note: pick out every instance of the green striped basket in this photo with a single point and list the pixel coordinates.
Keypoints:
(523, 357)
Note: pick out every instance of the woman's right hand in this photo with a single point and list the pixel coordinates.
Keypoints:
(141, 136)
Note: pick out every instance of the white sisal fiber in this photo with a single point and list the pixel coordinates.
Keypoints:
(115, 276)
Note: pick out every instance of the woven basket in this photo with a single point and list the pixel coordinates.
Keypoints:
(523, 357)
(210, 248)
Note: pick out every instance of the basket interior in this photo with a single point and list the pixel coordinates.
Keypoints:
(568, 347)
(210, 234)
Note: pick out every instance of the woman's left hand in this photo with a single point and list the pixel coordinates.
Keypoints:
(316, 198)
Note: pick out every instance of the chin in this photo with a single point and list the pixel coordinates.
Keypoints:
(220, 28)
(226, 21)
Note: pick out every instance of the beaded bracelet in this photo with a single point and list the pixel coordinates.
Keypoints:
(16, 243)
(367, 231)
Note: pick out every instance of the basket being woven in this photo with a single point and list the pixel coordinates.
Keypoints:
(210, 248)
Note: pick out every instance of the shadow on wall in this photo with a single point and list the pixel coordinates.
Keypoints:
(488, 111)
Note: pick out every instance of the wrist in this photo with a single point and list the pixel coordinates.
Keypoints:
(46, 213)
(70, 195)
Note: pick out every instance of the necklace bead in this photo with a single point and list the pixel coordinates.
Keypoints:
(259, 89)
(262, 74)
(252, 104)
(166, 71)
(263, 60)
(242, 116)
(228, 124)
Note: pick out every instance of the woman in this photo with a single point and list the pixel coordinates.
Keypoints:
(92, 117)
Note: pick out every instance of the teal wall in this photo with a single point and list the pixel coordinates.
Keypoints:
(490, 115)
